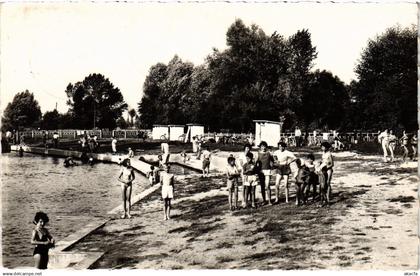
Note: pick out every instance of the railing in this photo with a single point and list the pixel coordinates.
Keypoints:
(75, 133)
(225, 137)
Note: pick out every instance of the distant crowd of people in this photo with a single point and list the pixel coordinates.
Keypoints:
(388, 141)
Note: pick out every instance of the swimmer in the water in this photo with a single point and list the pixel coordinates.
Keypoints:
(69, 162)
(91, 161)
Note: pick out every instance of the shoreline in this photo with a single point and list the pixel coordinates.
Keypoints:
(193, 228)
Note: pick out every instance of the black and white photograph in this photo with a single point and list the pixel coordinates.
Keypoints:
(269, 136)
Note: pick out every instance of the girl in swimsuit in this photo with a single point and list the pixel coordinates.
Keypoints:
(42, 240)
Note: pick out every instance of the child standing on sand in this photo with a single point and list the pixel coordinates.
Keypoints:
(42, 240)
(405, 143)
(114, 145)
(250, 179)
(266, 159)
(167, 182)
(150, 175)
(206, 162)
(233, 174)
(126, 178)
(242, 161)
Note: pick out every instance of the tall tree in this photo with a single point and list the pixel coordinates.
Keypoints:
(324, 101)
(51, 120)
(132, 113)
(22, 112)
(386, 91)
(301, 56)
(95, 102)
(149, 106)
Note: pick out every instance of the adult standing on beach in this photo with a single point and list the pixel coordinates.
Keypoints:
(405, 143)
(114, 145)
(383, 139)
(414, 147)
(44, 138)
(55, 139)
(126, 178)
(130, 153)
(326, 166)
(298, 135)
(392, 143)
(164, 147)
(194, 144)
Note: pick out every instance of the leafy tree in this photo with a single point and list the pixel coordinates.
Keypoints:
(95, 102)
(301, 56)
(386, 91)
(121, 123)
(175, 87)
(149, 106)
(22, 112)
(51, 120)
(324, 101)
(132, 113)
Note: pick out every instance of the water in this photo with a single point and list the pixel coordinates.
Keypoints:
(70, 196)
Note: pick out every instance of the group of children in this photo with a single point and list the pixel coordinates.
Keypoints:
(258, 171)
(251, 171)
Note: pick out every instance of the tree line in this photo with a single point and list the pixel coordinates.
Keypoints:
(258, 76)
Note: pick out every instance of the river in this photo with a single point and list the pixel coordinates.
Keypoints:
(70, 196)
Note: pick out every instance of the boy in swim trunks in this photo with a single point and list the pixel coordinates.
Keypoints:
(250, 179)
(206, 162)
(266, 159)
(167, 182)
(232, 173)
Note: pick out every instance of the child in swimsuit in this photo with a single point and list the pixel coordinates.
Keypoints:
(126, 178)
(42, 240)
(167, 182)
(232, 173)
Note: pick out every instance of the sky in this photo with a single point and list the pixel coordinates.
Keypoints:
(46, 46)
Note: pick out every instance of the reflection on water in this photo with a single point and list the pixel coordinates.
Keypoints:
(70, 197)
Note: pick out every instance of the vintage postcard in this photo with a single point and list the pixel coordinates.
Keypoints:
(209, 135)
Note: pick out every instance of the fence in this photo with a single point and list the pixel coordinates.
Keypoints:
(288, 137)
(75, 133)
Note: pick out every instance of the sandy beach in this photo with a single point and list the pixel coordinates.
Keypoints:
(371, 224)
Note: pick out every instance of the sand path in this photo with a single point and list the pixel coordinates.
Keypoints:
(372, 224)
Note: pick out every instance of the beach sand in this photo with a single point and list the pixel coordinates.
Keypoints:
(371, 224)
